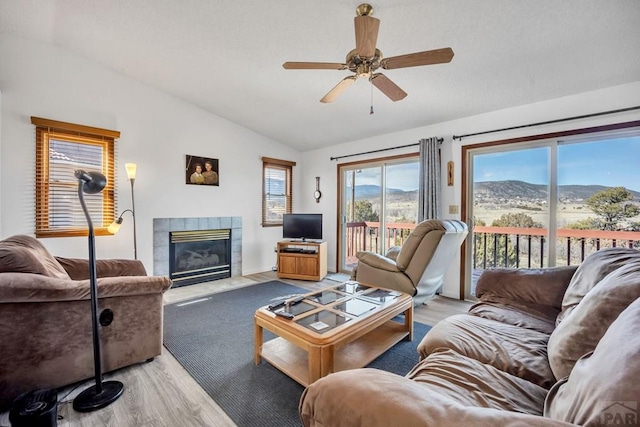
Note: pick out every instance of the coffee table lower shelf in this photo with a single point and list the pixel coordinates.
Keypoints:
(294, 361)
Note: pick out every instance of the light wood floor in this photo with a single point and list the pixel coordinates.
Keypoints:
(162, 393)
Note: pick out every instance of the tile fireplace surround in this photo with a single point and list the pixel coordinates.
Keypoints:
(162, 227)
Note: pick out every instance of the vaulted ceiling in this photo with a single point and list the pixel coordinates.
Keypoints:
(226, 56)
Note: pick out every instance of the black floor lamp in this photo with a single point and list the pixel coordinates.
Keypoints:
(103, 393)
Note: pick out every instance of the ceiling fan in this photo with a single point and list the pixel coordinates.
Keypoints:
(365, 59)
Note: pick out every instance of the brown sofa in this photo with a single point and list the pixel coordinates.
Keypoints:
(555, 346)
(45, 317)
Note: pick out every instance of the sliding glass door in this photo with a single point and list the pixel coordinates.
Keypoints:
(378, 206)
(551, 202)
(510, 194)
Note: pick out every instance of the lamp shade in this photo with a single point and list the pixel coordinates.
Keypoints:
(114, 227)
(131, 170)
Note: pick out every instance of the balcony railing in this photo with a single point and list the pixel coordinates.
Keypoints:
(514, 247)
(366, 236)
(499, 247)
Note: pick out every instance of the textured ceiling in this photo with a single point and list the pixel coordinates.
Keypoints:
(226, 55)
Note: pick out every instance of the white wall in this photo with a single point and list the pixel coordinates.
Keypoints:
(157, 131)
(0, 158)
(317, 163)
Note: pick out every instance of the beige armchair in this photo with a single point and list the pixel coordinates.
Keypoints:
(418, 267)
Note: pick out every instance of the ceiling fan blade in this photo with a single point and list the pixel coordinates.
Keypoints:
(338, 89)
(388, 87)
(366, 35)
(314, 66)
(436, 56)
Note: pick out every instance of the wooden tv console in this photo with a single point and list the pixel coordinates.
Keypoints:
(302, 260)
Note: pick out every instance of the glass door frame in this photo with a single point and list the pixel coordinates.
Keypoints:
(341, 217)
(552, 187)
(548, 139)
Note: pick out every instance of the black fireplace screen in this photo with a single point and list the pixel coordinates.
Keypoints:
(199, 256)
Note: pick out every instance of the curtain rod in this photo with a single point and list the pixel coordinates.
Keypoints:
(548, 122)
(382, 149)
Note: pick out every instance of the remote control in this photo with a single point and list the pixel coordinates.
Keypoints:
(284, 314)
(294, 301)
(275, 305)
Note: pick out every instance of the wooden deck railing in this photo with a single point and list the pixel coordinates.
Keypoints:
(525, 247)
(366, 236)
(494, 247)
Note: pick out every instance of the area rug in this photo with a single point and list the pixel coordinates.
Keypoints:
(338, 277)
(212, 338)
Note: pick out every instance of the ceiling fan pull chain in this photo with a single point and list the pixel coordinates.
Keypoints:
(371, 85)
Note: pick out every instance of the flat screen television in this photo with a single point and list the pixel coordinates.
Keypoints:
(302, 226)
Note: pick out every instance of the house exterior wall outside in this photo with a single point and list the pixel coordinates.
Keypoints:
(317, 163)
(157, 131)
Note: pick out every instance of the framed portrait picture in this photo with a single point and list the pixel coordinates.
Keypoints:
(201, 171)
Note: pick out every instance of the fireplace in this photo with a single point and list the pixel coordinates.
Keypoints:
(197, 256)
(162, 227)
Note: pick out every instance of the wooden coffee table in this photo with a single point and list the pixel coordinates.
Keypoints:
(341, 327)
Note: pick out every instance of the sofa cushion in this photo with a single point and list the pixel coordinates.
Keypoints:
(592, 270)
(603, 386)
(78, 269)
(374, 398)
(511, 349)
(516, 314)
(582, 329)
(539, 289)
(25, 254)
(472, 383)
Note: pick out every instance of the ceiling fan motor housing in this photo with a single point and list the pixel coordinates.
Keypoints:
(363, 66)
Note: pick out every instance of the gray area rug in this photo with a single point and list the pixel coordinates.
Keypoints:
(338, 277)
(213, 340)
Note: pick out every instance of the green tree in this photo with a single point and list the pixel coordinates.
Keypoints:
(520, 220)
(363, 211)
(586, 224)
(613, 206)
(495, 243)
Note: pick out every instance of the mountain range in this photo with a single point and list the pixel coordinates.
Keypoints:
(512, 190)
(486, 190)
(525, 190)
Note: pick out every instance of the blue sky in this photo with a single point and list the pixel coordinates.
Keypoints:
(610, 163)
(403, 176)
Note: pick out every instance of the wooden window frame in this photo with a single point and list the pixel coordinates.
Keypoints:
(46, 129)
(287, 166)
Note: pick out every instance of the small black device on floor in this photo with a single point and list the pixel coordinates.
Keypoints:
(38, 408)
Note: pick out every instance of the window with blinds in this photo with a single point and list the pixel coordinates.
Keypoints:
(277, 184)
(61, 148)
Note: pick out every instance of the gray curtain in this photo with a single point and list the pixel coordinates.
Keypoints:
(429, 189)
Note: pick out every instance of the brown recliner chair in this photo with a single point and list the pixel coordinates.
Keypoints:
(45, 317)
(418, 267)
